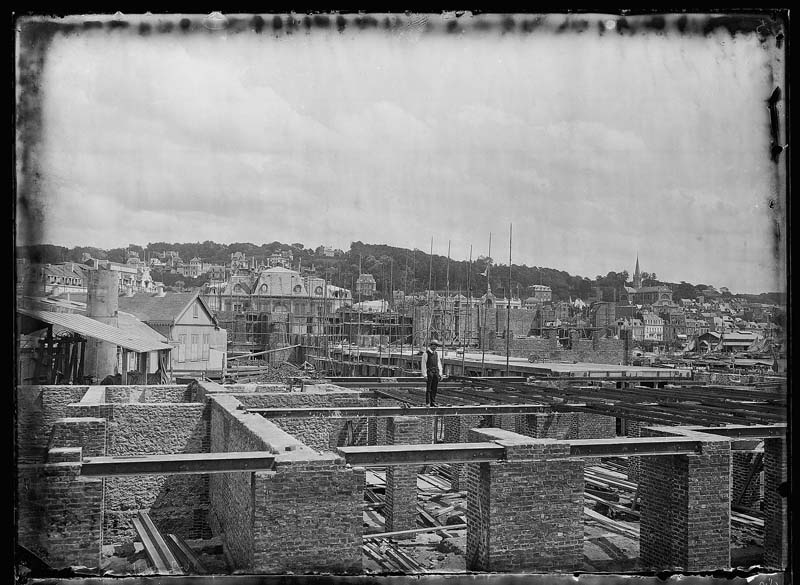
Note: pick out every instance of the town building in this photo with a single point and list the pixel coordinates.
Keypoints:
(292, 303)
(55, 279)
(365, 285)
(653, 326)
(184, 319)
(603, 314)
(645, 295)
(540, 293)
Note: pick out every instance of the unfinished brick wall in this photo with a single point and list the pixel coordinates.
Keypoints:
(59, 512)
(37, 409)
(176, 503)
(318, 433)
(143, 394)
(590, 425)
(307, 518)
(521, 320)
(525, 514)
(88, 433)
(400, 510)
(567, 425)
(633, 429)
(304, 517)
(456, 430)
(685, 505)
(741, 466)
(776, 512)
(597, 351)
(231, 494)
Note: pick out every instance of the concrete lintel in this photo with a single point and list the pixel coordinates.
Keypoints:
(306, 458)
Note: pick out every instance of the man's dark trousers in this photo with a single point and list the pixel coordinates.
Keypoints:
(431, 386)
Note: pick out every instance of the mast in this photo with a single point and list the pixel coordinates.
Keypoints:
(483, 329)
(446, 299)
(469, 312)
(508, 311)
(430, 292)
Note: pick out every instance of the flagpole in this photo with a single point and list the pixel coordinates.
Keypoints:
(445, 324)
(508, 311)
(469, 313)
(483, 329)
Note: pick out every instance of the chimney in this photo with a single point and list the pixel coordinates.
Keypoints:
(160, 290)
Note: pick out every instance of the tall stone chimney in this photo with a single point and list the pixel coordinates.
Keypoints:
(102, 305)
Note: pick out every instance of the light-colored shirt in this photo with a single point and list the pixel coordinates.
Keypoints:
(425, 362)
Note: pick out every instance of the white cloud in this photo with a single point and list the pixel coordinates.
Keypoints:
(593, 147)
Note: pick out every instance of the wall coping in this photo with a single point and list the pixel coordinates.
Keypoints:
(285, 446)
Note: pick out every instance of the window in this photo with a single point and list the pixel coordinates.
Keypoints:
(195, 356)
(206, 338)
(181, 348)
(298, 289)
(318, 290)
(264, 289)
(195, 310)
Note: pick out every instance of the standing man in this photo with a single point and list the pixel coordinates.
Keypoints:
(432, 370)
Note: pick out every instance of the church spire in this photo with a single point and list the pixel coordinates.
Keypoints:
(637, 275)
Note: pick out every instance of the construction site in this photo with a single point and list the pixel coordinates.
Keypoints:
(556, 468)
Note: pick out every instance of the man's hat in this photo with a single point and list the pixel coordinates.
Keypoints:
(434, 342)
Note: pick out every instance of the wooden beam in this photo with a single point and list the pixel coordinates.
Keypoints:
(162, 559)
(185, 554)
(415, 531)
(247, 355)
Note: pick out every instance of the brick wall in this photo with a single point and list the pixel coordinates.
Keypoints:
(173, 393)
(598, 351)
(231, 494)
(304, 517)
(456, 430)
(776, 519)
(88, 433)
(521, 320)
(176, 503)
(526, 514)
(633, 429)
(400, 510)
(37, 409)
(59, 513)
(318, 433)
(595, 426)
(685, 505)
(308, 518)
(741, 464)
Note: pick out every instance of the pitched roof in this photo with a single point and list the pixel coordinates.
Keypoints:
(155, 308)
(134, 327)
(89, 327)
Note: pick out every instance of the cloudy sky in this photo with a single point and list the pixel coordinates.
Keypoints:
(595, 147)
